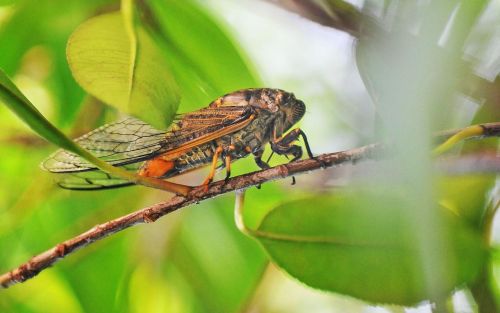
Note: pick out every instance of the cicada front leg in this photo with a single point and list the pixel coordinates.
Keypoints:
(284, 145)
(258, 159)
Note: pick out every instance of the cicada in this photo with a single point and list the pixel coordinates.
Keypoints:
(230, 128)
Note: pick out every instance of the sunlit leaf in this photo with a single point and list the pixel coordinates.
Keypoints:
(362, 245)
(135, 79)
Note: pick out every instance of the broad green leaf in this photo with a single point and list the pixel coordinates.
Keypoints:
(206, 61)
(361, 244)
(134, 78)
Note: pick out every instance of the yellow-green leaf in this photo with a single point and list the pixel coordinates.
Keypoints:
(134, 78)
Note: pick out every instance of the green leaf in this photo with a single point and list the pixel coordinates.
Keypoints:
(135, 78)
(361, 244)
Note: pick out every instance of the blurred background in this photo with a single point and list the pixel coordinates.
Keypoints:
(195, 259)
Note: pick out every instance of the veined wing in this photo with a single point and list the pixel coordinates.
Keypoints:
(131, 140)
(127, 141)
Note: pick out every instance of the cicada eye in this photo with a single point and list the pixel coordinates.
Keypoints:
(299, 109)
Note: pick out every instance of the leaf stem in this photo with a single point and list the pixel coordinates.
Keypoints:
(468, 132)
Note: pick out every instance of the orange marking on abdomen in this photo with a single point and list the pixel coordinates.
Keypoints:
(156, 167)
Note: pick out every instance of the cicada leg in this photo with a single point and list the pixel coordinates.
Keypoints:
(211, 174)
(226, 153)
(258, 159)
(257, 156)
(284, 146)
(227, 160)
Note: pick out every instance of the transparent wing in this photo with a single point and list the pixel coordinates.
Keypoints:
(126, 141)
(130, 140)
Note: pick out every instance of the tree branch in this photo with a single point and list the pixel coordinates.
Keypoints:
(150, 214)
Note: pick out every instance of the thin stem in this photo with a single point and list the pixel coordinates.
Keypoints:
(239, 202)
(468, 132)
(197, 194)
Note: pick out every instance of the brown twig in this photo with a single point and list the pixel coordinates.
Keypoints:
(150, 214)
(154, 212)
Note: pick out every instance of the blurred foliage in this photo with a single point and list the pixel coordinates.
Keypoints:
(160, 57)
(46, 25)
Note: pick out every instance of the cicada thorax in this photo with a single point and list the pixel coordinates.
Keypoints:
(262, 98)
